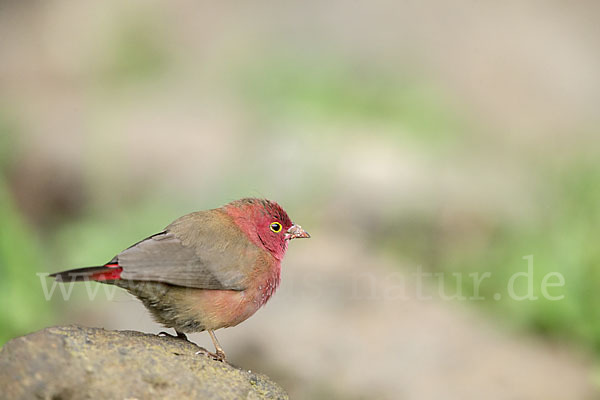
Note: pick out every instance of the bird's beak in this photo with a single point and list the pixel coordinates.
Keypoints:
(296, 231)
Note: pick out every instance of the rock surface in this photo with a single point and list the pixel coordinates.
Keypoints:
(71, 362)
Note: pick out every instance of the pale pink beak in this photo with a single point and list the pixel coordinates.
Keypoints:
(296, 231)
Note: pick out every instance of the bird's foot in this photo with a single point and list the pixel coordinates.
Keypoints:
(218, 355)
(178, 336)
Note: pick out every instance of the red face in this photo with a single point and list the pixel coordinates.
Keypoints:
(266, 224)
(271, 228)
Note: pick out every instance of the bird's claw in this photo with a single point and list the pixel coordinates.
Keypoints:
(178, 336)
(218, 355)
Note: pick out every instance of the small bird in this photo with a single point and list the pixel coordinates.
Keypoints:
(205, 271)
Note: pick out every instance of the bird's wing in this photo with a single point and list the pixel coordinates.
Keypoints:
(199, 250)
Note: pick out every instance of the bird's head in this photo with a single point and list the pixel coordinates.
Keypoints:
(265, 223)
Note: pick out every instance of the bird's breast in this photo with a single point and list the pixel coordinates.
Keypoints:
(216, 309)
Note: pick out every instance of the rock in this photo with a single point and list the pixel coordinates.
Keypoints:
(72, 362)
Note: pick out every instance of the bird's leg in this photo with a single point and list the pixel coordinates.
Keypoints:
(218, 349)
(180, 335)
(219, 354)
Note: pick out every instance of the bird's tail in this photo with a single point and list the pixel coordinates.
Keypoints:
(108, 272)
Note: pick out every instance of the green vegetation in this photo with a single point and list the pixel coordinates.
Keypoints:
(23, 309)
(329, 90)
(23, 306)
(561, 235)
(134, 54)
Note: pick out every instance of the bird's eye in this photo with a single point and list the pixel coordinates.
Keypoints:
(275, 227)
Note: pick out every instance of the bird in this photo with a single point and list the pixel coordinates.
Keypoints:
(206, 270)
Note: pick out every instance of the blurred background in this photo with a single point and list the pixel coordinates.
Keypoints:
(407, 137)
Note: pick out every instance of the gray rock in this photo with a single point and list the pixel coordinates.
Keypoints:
(71, 362)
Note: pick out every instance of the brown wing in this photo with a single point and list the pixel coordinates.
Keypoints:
(202, 250)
